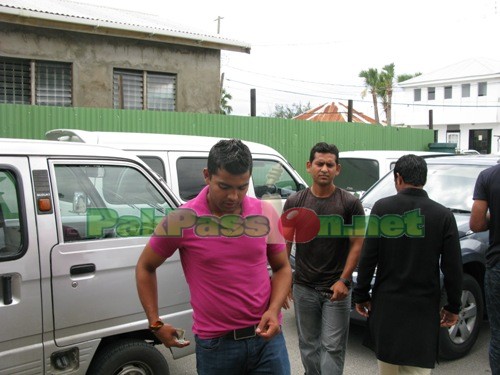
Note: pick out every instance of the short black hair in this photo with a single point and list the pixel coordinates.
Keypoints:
(412, 168)
(231, 155)
(324, 148)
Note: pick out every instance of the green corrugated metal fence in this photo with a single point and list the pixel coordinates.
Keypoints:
(292, 138)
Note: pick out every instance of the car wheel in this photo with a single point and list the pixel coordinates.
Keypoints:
(129, 357)
(456, 341)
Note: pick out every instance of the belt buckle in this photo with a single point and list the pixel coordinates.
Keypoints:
(244, 333)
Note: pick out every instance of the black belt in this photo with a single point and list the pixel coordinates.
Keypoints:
(242, 333)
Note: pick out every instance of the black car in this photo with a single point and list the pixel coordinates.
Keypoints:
(450, 181)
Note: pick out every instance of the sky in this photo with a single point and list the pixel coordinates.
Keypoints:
(311, 52)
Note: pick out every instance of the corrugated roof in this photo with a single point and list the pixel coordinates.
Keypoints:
(331, 112)
(476, 68)
(78, 16)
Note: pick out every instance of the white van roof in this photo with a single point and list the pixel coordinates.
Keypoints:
(22, 147)
(386, 154)
(149, 141)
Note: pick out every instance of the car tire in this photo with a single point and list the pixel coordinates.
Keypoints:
(129, 356)
(455, 342)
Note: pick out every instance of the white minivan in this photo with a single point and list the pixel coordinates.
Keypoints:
(74, 219)
(362, 168)
(180, 159)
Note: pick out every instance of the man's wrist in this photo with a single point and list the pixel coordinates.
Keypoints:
(346, 282)
(155, 326)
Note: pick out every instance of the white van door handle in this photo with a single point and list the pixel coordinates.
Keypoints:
(81, 269)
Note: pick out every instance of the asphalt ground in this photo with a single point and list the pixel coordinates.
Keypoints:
(359, 359)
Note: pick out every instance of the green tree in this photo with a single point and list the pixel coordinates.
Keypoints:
(225, 108)
(371, 77)
(385, 90)
(406, 77)
(286, 111)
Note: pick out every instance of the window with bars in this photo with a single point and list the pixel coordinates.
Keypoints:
(134, 89)
(35, 82)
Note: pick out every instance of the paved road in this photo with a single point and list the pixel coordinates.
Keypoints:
(360, 360)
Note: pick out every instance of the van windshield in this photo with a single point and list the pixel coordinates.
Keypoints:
(357, 175)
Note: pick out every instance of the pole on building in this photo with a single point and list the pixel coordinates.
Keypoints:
(253, 103)
(349, 110)
(431, 120)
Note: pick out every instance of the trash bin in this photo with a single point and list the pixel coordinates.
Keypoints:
(443, 147)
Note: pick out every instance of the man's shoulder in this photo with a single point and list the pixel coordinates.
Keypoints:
(293, 199)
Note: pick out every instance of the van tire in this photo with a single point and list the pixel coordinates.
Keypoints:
(128, 356)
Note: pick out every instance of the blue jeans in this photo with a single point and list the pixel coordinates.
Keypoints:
(225, 356)
(323, 327)
(492, 291)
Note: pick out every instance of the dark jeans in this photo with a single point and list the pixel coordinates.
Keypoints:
(492, 291)
(225, 356)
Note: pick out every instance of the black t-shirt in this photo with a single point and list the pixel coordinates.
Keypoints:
(488, 189)
(319, 263)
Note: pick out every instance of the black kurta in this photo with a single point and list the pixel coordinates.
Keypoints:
(404, 321)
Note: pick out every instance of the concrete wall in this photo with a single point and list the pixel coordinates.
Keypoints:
(94, 57)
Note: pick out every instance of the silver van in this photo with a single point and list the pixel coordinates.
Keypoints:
(179, 160)
(74, 219)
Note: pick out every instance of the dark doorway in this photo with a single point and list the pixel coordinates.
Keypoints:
(480, 140)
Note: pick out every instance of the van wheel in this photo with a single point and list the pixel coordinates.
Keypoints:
(129, 357)
(456, 341)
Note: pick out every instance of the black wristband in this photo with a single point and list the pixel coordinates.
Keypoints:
(346, 282)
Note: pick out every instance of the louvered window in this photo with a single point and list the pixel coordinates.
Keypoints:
(51, 81)
(15, 86)
(143, 90)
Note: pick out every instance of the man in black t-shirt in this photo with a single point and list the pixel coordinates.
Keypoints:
(487, 197)
(323, 265)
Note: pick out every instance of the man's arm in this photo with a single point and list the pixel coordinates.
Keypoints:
(147, 289)
(281, 282)
(479, 216)
(340, 290)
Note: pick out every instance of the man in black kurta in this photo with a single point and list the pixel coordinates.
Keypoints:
(403, 312)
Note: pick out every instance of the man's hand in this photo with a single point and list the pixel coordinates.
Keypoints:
(340, 291)
(364, 308)
(289, 299)
(168, 336)
(269, 325)
(448, 319)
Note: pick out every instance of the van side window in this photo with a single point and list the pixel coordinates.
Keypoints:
(271, 180)
(156, 164)
(190, 176)
(357, 175)
(11, 223)
(105, 201)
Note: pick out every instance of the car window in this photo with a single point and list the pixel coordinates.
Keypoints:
(11, 224)
(106, 201)
(155, 163)
(451, 185)
(190, 176)
(357, 175)
(271, 180)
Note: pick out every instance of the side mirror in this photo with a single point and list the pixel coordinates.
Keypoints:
(79, 203)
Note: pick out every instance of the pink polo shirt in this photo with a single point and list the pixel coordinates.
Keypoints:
(224, 260)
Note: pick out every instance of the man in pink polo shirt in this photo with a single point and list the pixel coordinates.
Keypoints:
(225, 240)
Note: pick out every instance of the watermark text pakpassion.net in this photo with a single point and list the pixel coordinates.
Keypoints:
(297, 224)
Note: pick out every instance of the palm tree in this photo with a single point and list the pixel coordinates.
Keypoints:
(225, 108)
(386, 86)
(371, 77)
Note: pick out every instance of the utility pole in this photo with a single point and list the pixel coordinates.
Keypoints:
(218, 19)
